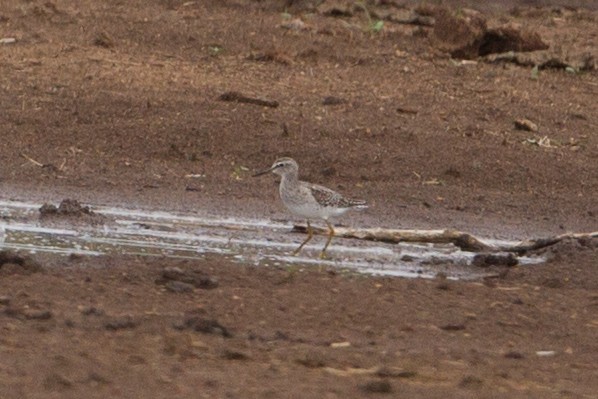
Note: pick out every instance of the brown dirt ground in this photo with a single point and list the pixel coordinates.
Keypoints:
(119, 101)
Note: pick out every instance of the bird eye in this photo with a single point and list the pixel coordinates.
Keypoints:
(280, 165)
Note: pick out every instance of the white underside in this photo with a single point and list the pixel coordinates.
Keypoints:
(311, 212)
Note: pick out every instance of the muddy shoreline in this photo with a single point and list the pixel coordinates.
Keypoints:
(129, 105)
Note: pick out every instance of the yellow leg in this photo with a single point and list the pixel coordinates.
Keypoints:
(330, 235)
(310, 234)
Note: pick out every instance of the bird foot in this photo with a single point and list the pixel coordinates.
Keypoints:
(324, 255)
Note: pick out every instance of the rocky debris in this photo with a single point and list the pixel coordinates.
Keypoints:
(459, 35)
(497, 259)
(67, 207)
(467, 36)
(510, 37)
(13, 263)
(547, 59)
(70, 209)
(178, 280)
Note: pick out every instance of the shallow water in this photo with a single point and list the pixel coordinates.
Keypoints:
(247, 241)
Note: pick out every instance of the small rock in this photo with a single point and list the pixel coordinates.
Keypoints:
(387, 372)
(178, 287)
(121, 323)
(234, 355)
(13, 263)
(470, 381)
(191, 277)
(514, 355)
(294, 24)
(57, 382)
(331, 100)
(4, 300)
(37, 314)
(500, 259)
(376, 386)
(206, 326)
(312, 360)
(526, 124)
(91, 311)
(459, 34)
(453, 327)
(103, 40)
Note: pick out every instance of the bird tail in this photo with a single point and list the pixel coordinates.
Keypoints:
(358, 204)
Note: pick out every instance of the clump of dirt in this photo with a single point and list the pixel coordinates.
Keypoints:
(569, 247)
(71, 209)
(467, 35)
(176, 279)
(13, 263)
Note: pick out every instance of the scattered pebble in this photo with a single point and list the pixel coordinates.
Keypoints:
(234, 355)
(470, 381)
(331, 100)
(206, 326)
(37, 314)
(376, 386)
(514, 355)
(500, 259)
(178, 280)
(121, 323)
(178, 286)
(453, 327)
(91, 311)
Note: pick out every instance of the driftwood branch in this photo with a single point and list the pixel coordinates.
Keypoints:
(465, 241)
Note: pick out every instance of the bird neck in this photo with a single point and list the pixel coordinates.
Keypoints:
(290, 178)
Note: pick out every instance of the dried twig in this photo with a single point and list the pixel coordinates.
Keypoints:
(33, 161)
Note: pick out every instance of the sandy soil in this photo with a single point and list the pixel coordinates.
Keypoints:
(122, 103)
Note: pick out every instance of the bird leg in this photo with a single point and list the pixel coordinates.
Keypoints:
(330, 235)
(310, 234)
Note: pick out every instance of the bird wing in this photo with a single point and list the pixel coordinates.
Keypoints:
(328, 197)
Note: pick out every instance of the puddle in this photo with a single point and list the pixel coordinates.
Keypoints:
(247, 241)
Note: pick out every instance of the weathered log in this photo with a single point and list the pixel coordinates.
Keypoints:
(462, 240)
